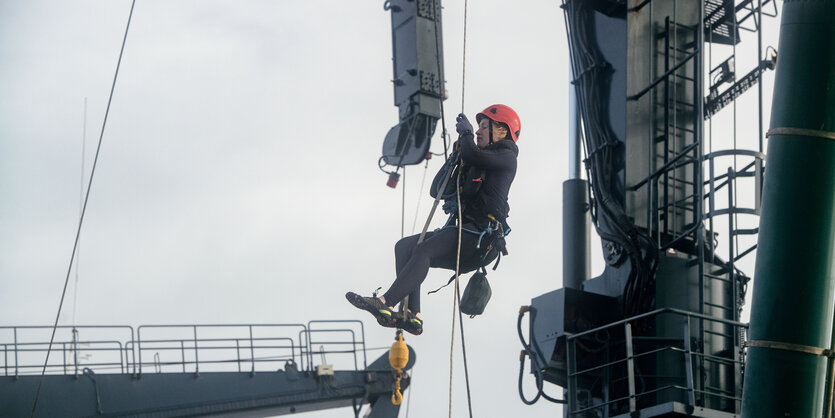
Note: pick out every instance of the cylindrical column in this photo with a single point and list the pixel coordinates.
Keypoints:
(574, 145)
(576, 251)
(575, 233)
(793, 281)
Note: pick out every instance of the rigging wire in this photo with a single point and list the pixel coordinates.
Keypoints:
(411, 389)
(405, 304)
(457, 294)
(464, 58)
(83, 209)
(420, 192)
(403, 206)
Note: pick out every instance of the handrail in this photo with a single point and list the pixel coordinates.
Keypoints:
(631, 359)
(192, 346)
(657, 312)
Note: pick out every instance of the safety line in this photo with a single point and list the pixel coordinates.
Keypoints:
(456, 305)
(420, 192)
(464, 58)
(454, 295)
(411, 392)
(435, 9)
(83, 210)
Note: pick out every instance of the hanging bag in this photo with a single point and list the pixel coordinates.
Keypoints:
(476, 294)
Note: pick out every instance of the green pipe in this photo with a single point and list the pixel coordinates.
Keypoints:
(794, 276)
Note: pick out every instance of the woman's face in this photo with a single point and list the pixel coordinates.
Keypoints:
(482, 135)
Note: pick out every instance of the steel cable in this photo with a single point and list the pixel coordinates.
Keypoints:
(83, 210)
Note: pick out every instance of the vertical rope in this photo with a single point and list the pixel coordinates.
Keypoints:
(464, 349)
(420, 192)
(83, 210)
(455, 294)
(464, 58)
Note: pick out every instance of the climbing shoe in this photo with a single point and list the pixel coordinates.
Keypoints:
(412, 324)
(373, 305)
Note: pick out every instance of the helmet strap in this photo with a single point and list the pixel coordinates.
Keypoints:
(491, 133)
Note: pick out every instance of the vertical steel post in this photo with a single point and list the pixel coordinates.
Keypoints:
(574, 160)
(793, 291)
(182, 354)
(688, 364)
(576, 247)
(252, 347)
(196, 359)
(238, 352)
(570, 371)
(15, 351)
(630, 367)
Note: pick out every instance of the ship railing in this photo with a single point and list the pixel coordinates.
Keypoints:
(181, 348)
(622, 353)
(24, 349)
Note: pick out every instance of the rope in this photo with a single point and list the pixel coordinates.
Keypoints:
(463, 342)
(464, 58)
(457, 294)
(454, 299)
(456, 307)
(411, 392)
(405, 304)
(420, 192)
(83, 211)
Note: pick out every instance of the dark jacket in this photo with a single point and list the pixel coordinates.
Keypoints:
(494, 168)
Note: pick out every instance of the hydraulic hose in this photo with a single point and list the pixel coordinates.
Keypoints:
(535, 369)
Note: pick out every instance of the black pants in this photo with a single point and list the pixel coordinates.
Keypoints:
(438, 249)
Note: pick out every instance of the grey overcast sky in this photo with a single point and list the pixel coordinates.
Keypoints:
(237, 181)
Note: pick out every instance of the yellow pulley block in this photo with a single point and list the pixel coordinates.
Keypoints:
(399, 353)
(398, 358)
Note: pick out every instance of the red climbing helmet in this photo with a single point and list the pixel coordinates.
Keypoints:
(504, 114)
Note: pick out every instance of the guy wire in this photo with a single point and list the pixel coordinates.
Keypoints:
(83, 210)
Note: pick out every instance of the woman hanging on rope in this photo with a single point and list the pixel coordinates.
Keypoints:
(488, 167)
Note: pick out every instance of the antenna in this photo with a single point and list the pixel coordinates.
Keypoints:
(80, 207)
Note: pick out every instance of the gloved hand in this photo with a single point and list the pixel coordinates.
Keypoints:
(463, 125)
(450, 206)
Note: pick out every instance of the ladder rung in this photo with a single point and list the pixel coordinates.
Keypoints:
(679, 102)
(720, 390)
(710, 276)
(721, 334)
(744, 253)
(754, 231)
(722, 271)
(713, 305)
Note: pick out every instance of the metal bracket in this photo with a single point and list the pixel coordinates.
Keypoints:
(791, 347)
(802, 132)
(89, 373)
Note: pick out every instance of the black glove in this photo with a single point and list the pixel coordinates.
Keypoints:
(450, 206)
(463, 126)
